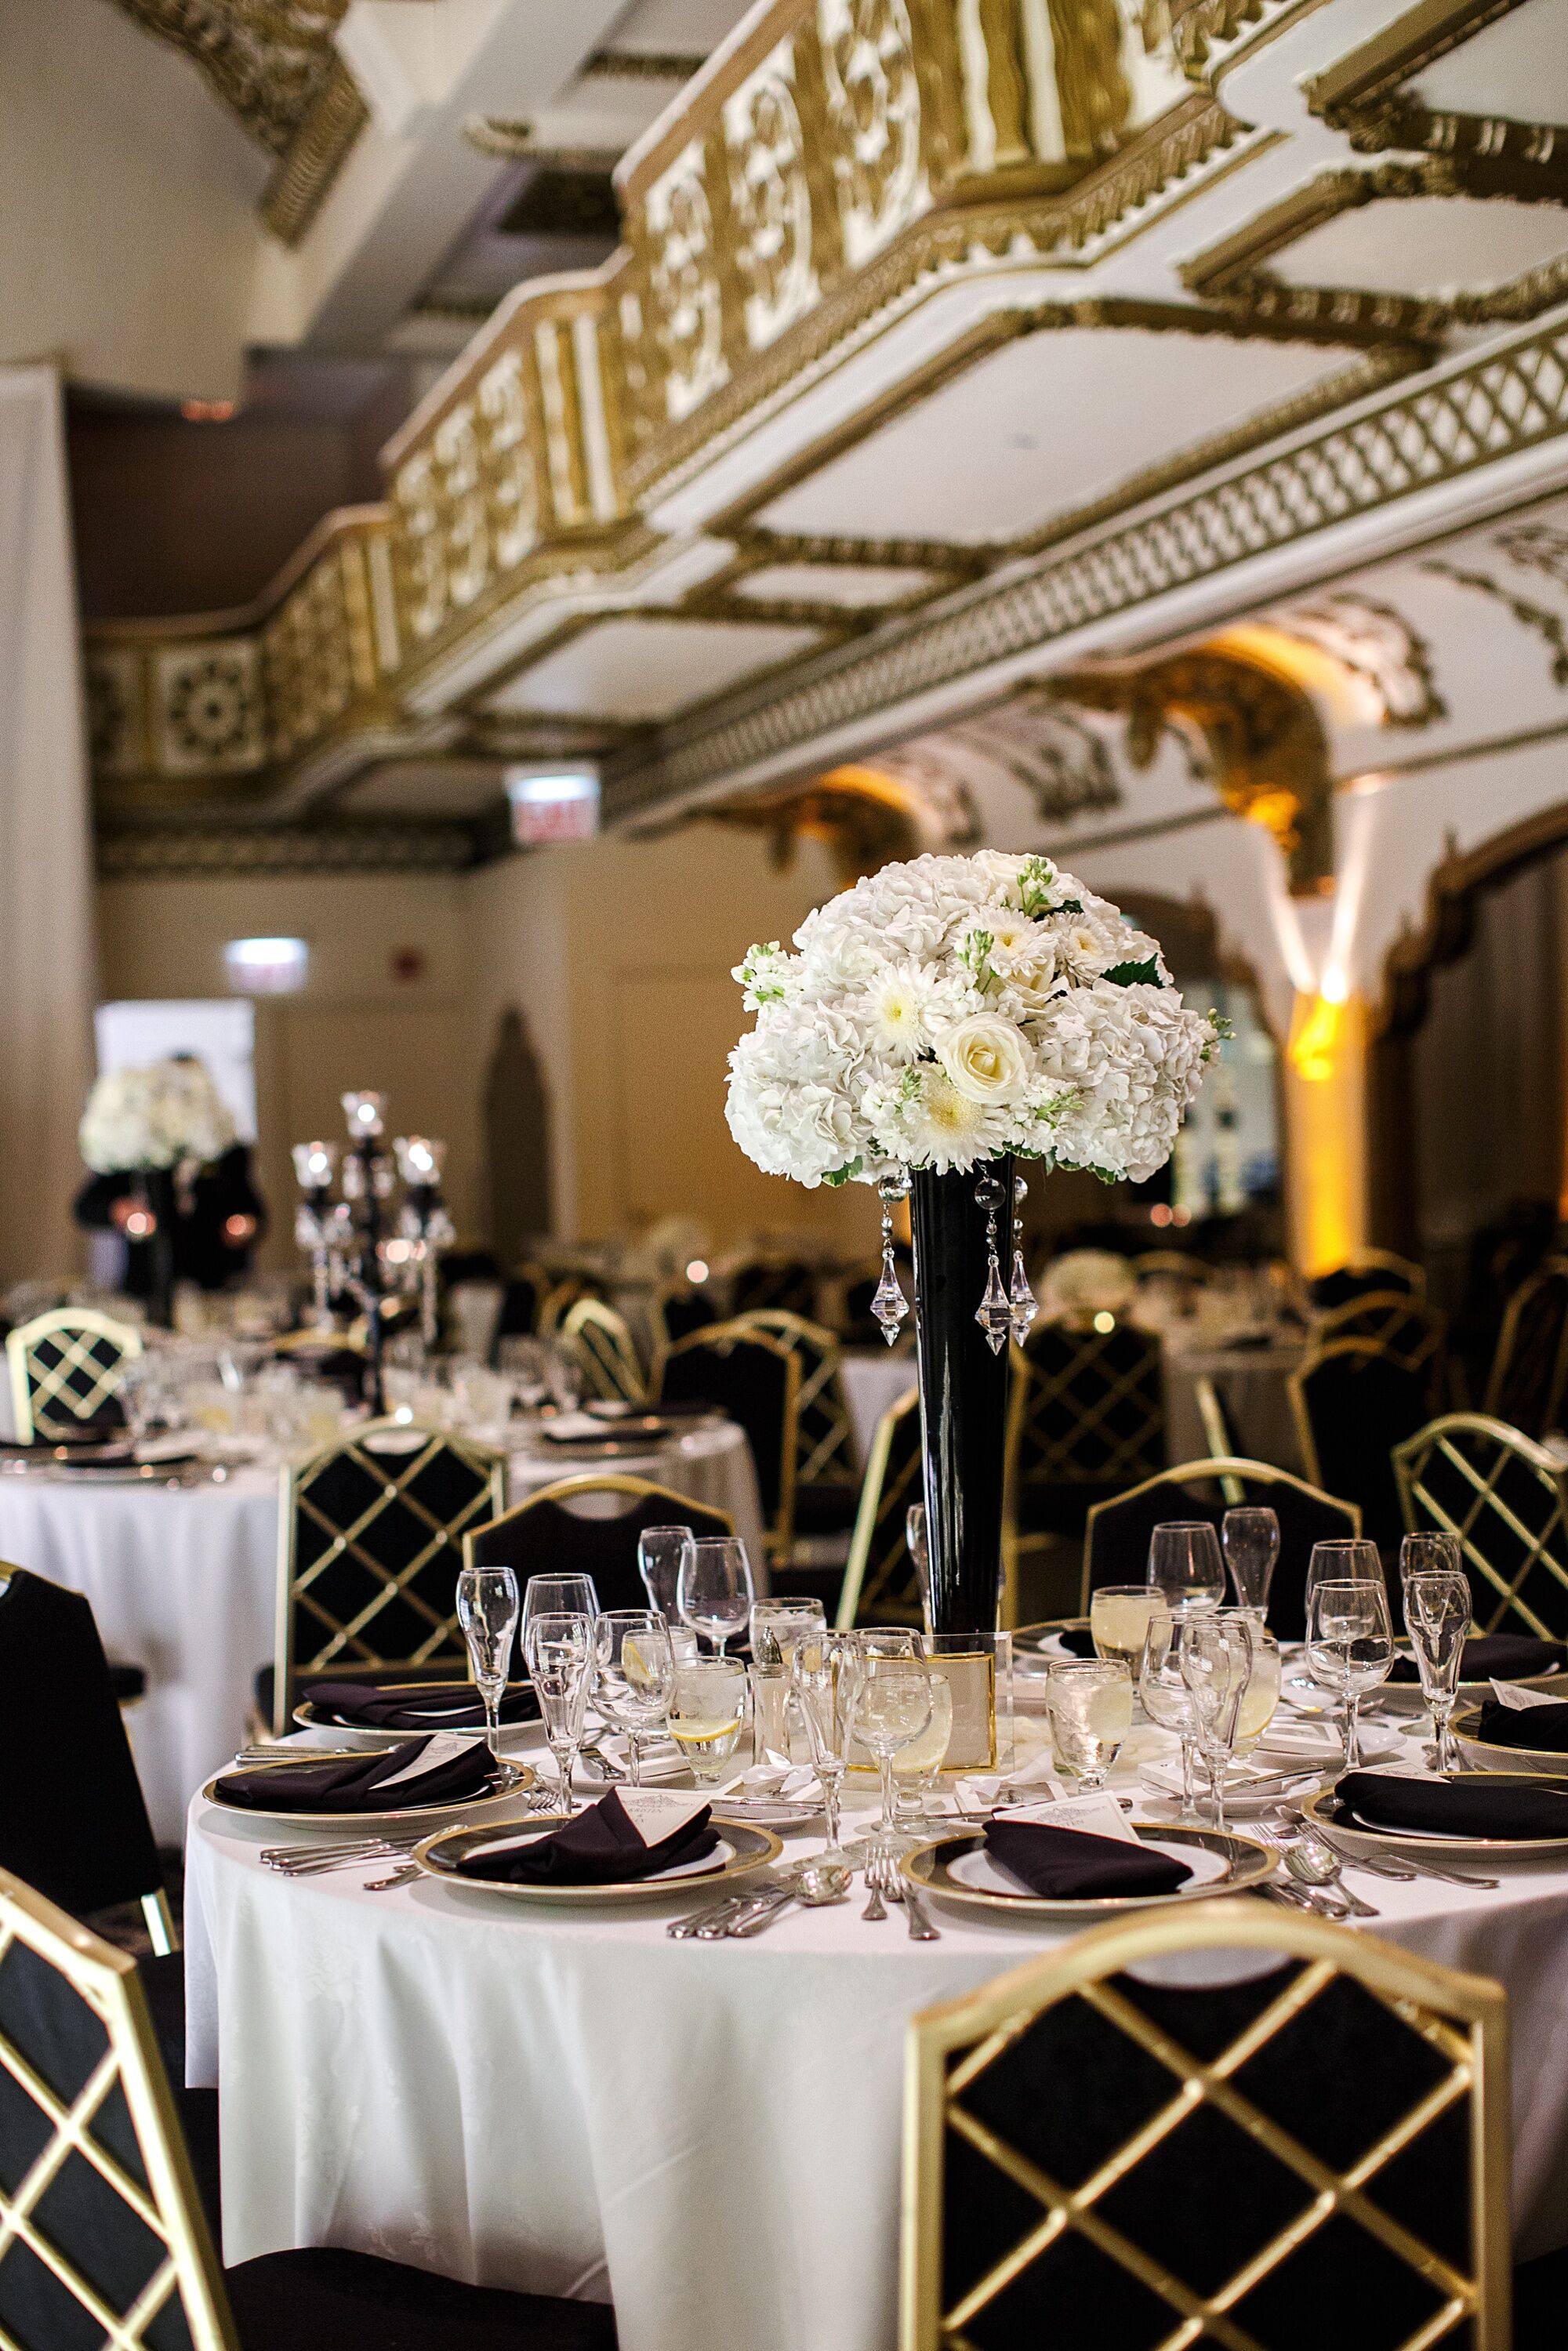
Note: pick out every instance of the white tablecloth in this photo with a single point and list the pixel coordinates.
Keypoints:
(708, 2135)
(872, 1383)
(184, 1582)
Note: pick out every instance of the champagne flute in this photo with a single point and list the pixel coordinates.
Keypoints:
(1250, 1537)
(713, 1591)
(1165, 1695)
(1345, 1560)
(889, 1707)
(1216, 1666)
(1091, 1705)
(1185, 1564)
(487, 1607)
(1437, 1619)
(1431, 1554)
(1350, 1647)
(560, 1648)
(660, 1552)
(813, 1674)
(634, 1668)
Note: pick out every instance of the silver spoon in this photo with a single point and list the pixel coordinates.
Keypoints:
(1312, 1864)
(819, 1883)
(403, 1877)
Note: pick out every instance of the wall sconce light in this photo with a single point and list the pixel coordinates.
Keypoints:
(267, 967)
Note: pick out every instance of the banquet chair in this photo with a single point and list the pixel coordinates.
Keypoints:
(764, 1281)
(599, 1342)
(65, 1369)
(1086, 1420)
(527, 1287)
(1529, 1375)
(882, 1582)
(1367, 1270)
(846, 1307)
(103, 2238)
(1506, 1498)
(547, 1534)
(1351, 1405)
(1117, 1536)
(677, 1309)
(827, 1475)
(559, 1300)
(369, 1546)
(755, 1379)
(1219, 2123)
(1172, 1265)
(1409, 1331)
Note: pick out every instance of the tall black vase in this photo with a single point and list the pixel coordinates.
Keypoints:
(962, 1397)
(158, 1189)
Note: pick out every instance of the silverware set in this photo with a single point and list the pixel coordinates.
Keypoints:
(815, 1884)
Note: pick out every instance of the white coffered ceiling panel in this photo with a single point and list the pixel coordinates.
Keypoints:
(632, 668)
(1425, 245)
(851, 584)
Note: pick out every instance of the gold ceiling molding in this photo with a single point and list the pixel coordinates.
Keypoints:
(1371, 640)
(340, 846)
(1204, 31)
(643, 65)
(274, 65)
(1415, 40)
(866, 817)
(1262, 743)
(1550, 627)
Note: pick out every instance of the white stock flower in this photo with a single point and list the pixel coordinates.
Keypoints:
(897, 1010)
(988, 1060)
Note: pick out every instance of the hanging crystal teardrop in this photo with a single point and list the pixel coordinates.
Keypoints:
(889, 1305)
(993, 1314)
(1022, 1299)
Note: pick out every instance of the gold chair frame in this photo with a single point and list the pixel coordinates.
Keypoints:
(1368, 1350)
(1397, 1314)
(1550, 1270)
(876, 1502)
(1464, 2018)
(168, 2205)
(601, 1341)
(739, 1332)
(1017, 1543)
(833, 1449)
(1419, 1507)
(1382, 1261)
(1223, 1467)
(74, 1329)
(1175, 1262)
(592, 1482)
(346, 1649)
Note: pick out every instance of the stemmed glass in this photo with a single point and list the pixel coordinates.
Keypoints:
(1350, 1560)
(1437, 1619)
(1165, 1695)
(1431, 1554)
(1090, 1703)
(1250, 1538)
(660, 1552)
(813, 1671)
(889, 1707)
(487, 1606)
(1350, 1647)
(1185, 1564)
(776, 1625)
(634, 1668)
(558, 1595)
(1215, 1666)
(714, 1590)
(560, 1648)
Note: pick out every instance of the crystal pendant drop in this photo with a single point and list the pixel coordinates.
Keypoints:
(993, 1314)
(889, 1305)
(1021, 1299)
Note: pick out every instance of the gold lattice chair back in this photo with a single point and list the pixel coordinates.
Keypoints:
(1506, 1498)
(66, 1368)
(1409, 1331)
(601, 1343)
(370, 1544)
(1137, 2142)
(1528, 1376)
(102, 2238)
(825, 1439)
(1087, 1408)
(882, 1582)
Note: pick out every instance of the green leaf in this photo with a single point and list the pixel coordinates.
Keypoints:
(846, 1174)
(1130, 974)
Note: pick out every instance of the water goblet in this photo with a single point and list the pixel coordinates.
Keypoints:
(707, 1709)
(1186, 1567)
(1261, 1698)
(560, 1648)
(1089, 1701)
(1119, 1616)
(487, 1607)
(713, 1591)
(1437, 1619)
(660, 1553)
(1250, 1537)
(915, 1767)
(634, 1675)
(1216, 1666)
(1350, 1646)
(1431, 1554)
(889, 1707)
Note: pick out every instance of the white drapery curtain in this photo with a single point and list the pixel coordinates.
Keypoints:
(47, 935)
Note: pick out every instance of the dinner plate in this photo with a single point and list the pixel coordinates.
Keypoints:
(1238, 1863)
(748, 1848)
(369, 1820)
(977, 1869)
(1404, 1698)
(370, 1735)
(1326, 1812)
(1484, 1755)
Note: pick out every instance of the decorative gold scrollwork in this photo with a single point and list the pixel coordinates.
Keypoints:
(873, 114)
(770, 206)
(685, 309)
(514, 498)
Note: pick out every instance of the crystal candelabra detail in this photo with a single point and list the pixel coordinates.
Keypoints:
(1004, 1313)
(347, 1238)
(889, 1305)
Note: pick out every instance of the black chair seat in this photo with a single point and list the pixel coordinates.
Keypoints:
(320, 2298)
(127, 1682)
(825, 1508)
(1539, 2289)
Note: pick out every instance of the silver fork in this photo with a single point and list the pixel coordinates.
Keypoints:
(897, 1889)
(876, 1907)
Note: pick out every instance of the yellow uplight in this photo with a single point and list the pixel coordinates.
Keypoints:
(1315, 1036)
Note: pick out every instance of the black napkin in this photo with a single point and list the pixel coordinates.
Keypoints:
(1542, 1727)
(1064, 1863)
(1473, 1806)
(599, 1847)
(443, 1705)
(357, 1786)
(1077, 1640)
(1497, 1656)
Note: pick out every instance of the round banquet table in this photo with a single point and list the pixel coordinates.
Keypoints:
(706, 2134)
(184, 1582)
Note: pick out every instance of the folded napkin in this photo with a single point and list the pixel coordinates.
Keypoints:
(1468, 1807)
(1064, 1863)
(631, 1833)
(447, 1706)
(1497, 1656)
(421, 1771)
(1544, 1728)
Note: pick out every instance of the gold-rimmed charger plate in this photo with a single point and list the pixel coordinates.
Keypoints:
(1247, 1864)
(370, 1820)
(1405, 1698)
(751, 1848)
(367, 1736)
(1325, 1811)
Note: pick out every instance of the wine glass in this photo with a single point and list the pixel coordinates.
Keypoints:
(660, 1552)
(813, 1675)
(1430, 1554)
(1091, 1705)
(1261, 1698)
(487, 1606)
(708, 1707)
(558, 1595)
(889, 1707)
(713, 1591)
(1250, 1537)
(1350, 1646)
(559, 1646)
(634, 1675)
(778, 1625)
(1185, 1564)
(1165, 1696)
(1216, 1666)
(1119, 1616)
(1351, 1559)
(1437, 1619)
(915, 1767)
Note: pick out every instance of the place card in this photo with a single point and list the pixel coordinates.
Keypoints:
(1519, 1701)
(442, 1747)
(657, 1813)
(1098, 1815)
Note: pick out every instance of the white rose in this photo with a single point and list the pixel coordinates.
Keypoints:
(987, 1060)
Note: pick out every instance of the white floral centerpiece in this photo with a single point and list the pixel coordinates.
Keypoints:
(955, 1010)
(142, 1120)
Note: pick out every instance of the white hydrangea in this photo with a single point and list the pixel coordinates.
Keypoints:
(154, 1117)
(947, 1012)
